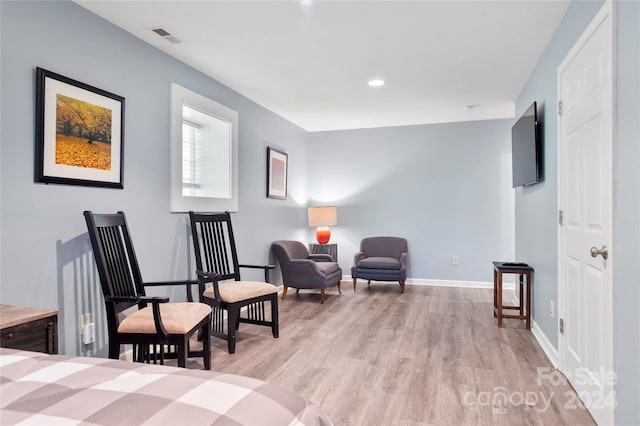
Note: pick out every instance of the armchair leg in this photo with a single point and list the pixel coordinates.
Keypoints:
(206, 345)
(354, 284)
(274, 316)
(114, 350)
(322, 296)
(339, 291)
(183, 348)
(234, 314)
(368, 283)
(284, 292)
(141, 352)
(401, 287)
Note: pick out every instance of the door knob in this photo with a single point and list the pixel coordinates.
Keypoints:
(604, 252)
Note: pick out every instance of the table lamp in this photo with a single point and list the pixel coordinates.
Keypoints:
(323, 217)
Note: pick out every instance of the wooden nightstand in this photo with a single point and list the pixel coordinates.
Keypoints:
(29, 329)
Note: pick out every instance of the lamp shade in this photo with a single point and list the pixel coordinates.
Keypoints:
(323, 216)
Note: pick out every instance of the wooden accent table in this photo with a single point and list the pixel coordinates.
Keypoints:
(30, 329)
(523, 270)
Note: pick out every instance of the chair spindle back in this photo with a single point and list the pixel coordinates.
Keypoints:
(115, 258)
(215, 247)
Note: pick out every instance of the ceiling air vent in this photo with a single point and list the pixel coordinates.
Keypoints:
(166, 35)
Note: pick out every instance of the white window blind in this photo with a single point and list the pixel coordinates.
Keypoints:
(189, 149)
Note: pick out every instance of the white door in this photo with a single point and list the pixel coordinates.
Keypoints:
(585, 139)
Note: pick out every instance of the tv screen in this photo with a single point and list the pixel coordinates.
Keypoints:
(525, 149)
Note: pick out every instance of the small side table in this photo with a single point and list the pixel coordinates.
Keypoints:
(330, 249)
(524, 271)
(29, 329)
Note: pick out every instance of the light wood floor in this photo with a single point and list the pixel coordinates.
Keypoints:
(432, 355)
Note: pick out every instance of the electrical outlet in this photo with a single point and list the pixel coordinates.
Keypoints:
(87, 329)
(455, 260)
(552, 310)
(88, 333)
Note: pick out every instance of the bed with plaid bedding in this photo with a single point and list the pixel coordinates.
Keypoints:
(42, 389)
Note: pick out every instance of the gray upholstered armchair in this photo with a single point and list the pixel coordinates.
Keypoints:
(303, 270)
(381, 259)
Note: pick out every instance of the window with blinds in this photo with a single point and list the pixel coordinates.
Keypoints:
(204, 153)
(206, 148)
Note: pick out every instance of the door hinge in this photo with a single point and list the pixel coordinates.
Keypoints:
(559, 107)
(561, 326)
(560, 217)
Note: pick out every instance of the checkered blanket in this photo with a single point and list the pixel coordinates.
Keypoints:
(54, 389)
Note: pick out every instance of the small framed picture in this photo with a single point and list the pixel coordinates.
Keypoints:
(79, 133)
(276, 174)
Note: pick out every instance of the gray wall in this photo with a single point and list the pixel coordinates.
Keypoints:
(536, 207)
(444, 187)
(626, 236)
(44, 247)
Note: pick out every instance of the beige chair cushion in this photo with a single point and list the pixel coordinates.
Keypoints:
(177, 318)
(235, 291)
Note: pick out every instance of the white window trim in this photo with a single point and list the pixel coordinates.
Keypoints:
(178, 202)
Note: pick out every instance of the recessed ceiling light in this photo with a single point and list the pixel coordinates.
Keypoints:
(376, 82)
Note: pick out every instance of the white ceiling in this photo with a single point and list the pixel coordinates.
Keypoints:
(309, 61)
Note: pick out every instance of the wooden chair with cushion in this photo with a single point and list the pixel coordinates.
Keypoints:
(303, 270)
(381, 259)
(156, 322)
(216, 262)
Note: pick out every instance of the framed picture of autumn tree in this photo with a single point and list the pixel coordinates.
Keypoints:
(79, 133)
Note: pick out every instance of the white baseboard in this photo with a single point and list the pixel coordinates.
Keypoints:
(447, 283)
(547, 346)
(541, 338)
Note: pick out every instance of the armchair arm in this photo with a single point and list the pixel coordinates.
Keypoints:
(357, 258)
(142, 301)
(403, 260)
(208, 277)
(302, 269)
(403, 265)
(161, 283)
(321, 257)
(266, 268)
(154, 299)
(187, 283)
(137, 299)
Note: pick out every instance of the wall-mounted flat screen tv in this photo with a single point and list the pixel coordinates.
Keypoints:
(526, 149)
